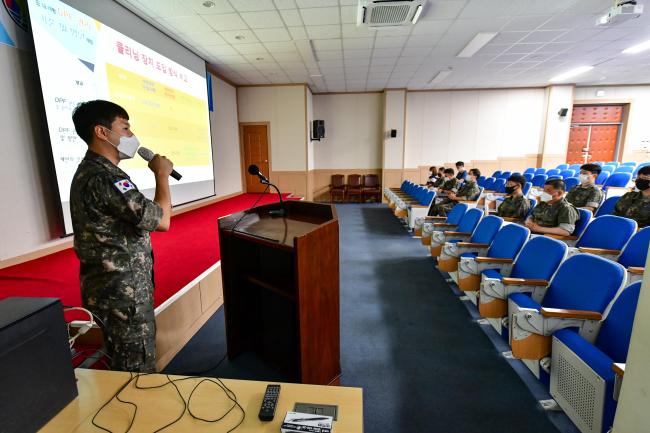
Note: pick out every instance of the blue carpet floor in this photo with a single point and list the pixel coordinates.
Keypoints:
(422, 362)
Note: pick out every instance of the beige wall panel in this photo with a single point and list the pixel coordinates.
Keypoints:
(211, 288)
(294, 182)
(394, 112)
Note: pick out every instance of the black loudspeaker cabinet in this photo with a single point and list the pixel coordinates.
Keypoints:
(393, 133)
(563, 112)
(36, 375)
(318, 129)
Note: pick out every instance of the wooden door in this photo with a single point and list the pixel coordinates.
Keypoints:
(594, 131)
(578, 138)
(256, 151)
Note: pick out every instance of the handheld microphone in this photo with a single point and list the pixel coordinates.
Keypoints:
(255, 171)
(148, 155)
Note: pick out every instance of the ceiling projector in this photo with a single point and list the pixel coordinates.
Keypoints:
(622, 11)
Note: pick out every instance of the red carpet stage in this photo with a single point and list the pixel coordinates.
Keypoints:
(184, 252)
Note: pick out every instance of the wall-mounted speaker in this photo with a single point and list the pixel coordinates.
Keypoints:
(318, 129)
(393, 133)
(563, 112)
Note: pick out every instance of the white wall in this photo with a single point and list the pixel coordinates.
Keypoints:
(472, 125)
(225, 139)
(394, 106)
(284, 107)
(310, 117)
(556, 136)
(353, 124)
(638, 128)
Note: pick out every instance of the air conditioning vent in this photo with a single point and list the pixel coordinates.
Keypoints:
(389, 13)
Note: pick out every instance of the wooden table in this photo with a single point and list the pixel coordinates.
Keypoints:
(157, 407)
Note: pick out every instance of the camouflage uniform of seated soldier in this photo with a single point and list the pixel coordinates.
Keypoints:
(449, 182)
(515, 205)
(554, 215)
(586, 195)
(469, 190)
(636, 204)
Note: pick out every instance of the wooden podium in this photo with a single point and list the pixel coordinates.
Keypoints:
(281, 288)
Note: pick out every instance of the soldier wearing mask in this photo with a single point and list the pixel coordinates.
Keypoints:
(636, 204)
(586, 195)
(111, 221)
(433, 176)
(469, 190)
(515, 205)
(440, 181)
(462, 173)
(554, 215)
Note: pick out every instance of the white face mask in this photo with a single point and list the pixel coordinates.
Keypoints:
(127, 146)
(585, 178)
(545, 197)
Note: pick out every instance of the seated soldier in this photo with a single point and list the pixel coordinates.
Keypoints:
(468, 191)
(515, 205)
(441, 178)
(462, 173)
(433, 176)
(636, 204)
(450, 182)
(553, 215)
(586, 195)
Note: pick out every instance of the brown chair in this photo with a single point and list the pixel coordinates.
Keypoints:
(371, 187)
(337, 187)
(355, 188)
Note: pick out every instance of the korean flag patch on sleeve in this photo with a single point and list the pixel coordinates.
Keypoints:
(124, 185)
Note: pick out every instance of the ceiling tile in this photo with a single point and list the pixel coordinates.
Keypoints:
(256, 48)
(508, 37)
(252, 5)
(324, 32)
(285, 4)
(225, 22)
(316, 3)
(416, 51)
(348, 14)
(205, 39)
(221, 50)
(357, 54)
(166, 8)
(352, 31)
(232, 59)
(485, 9)
(386, 52)
(442, 10)
(288, 57)
(298, 33)
(280, 47)
(327, 44)
(542, 36)
(220, 7)
(555, 47)
(390, 42)
(382, 61)
(279, 34)
(320, 16)
(189, 24)
(523, 48)
(508, 58)
(291, 17)
(239, 36)
(262, 20)
(357, 43)
(329, 55)
(529, 23)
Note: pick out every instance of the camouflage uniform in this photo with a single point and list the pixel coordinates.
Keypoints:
(636, 206)
(560, 214)
(111, 221)
(585, 196)
(439, 182)
(514, 207)
(448, 184)
(467, 191)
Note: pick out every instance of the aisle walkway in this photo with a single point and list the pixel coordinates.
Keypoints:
(409, 342)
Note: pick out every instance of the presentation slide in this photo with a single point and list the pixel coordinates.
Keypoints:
(81, 59)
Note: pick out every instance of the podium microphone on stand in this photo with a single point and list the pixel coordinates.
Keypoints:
(255, 171)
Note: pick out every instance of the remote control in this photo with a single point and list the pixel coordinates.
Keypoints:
(269, 402)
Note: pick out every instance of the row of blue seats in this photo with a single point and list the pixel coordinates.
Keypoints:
(604, 179)
(583, 282)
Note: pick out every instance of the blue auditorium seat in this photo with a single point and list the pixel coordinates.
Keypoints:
(582, 379)
(480, 240)
(499, 185)
(481, 180)
(466, 225)
(505, 175)
(539, 180)
(602, 178)
(529, 176)
(497, 174)
(562, 166)
(583, 222)
(575, 167)
(540, 171)
(635, 253)
(530, 170)
(489, 182)
(553, 172)
(526, 189)
(583, 282)
(631, 164)
(571, 182)
(606, 235)
(617, 180)
(607, 207)
(614, 163)
(567, 173)
(450, 222)
(608, 168)
(624, 169)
